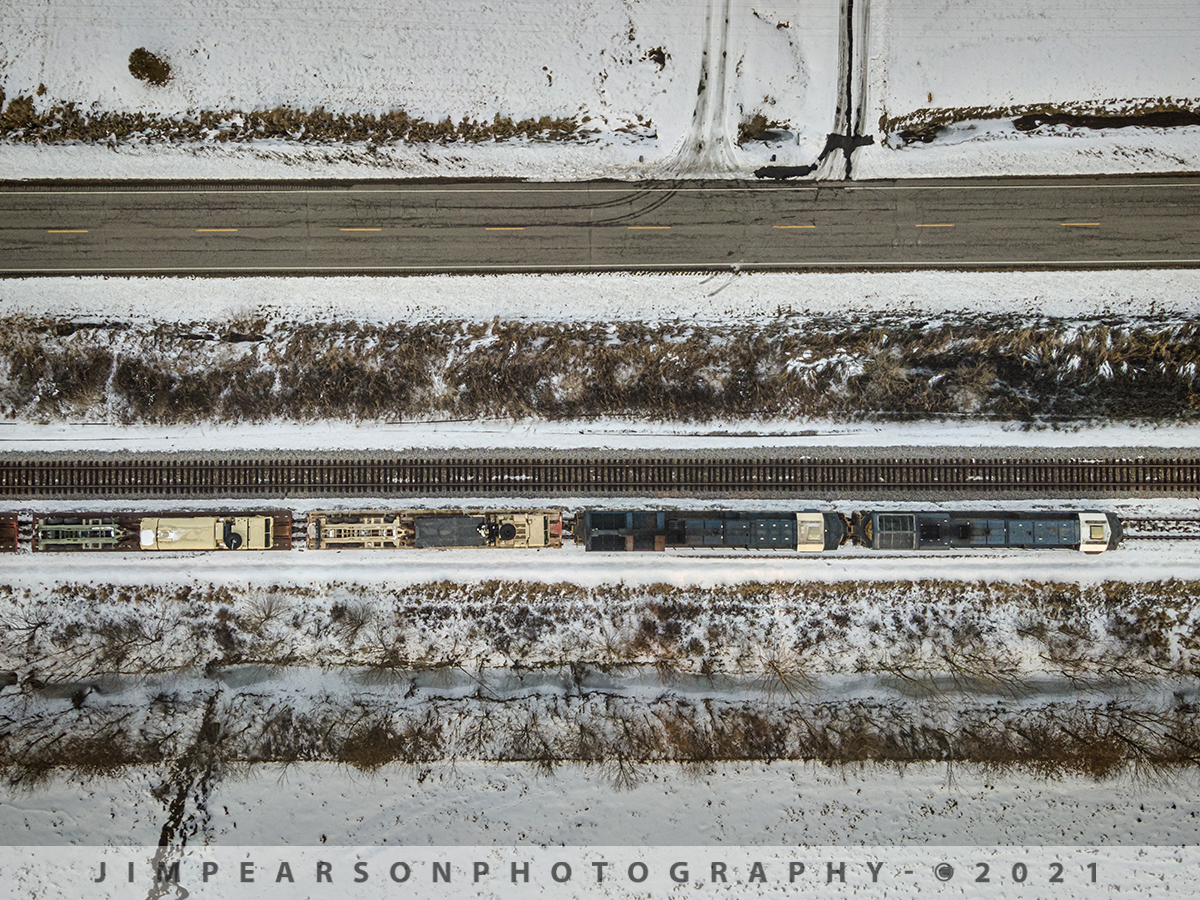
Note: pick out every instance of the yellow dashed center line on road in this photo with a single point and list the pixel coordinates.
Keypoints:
(66, 231)
(207, 230)
(649, 227)
(504, 228)
(793, 226)
(936, 225)
(1080, 224)
(360, 229)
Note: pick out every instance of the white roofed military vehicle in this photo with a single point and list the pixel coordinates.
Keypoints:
(207, 533)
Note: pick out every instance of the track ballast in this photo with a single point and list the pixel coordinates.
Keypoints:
(297, 476)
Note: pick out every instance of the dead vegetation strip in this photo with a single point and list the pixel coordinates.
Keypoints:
(23, 122)
(1089, 738)
(782, 633)
(925, 125)
(987, 368)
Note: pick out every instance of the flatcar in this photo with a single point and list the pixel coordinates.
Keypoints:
(9, 530)
(161, 531)
(630, 530)
(372, 529)
(1088, 531)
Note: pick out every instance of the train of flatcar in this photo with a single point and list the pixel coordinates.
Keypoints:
(598, 530)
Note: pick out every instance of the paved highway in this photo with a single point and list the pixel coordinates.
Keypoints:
(397, 227)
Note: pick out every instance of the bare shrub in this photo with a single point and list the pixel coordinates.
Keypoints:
(1086, 737)
(624, 772)
(146, 66)
(529, 741)
(782, 671)
(351, 618)
(265, 608)
(372, 746)
(90, 751)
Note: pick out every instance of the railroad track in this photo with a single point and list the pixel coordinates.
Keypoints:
(398, 476)
(1162, 529)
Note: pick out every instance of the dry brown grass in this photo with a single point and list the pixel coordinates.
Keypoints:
(22, 122)
(782, 636)
(757, 128)
(986, 368)
(1151, 112)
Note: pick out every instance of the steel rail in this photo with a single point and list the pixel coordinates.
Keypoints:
(296, 476)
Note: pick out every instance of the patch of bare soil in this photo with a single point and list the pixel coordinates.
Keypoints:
(146, 66)
(759, 128)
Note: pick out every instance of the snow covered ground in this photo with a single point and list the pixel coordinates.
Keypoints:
(1158, 296)
(1011, 52)
(1134, 562)
(1077, 55)
(472, 59)
(1141, 836)
(722, 62)
(626, 436)
(770, 805)
(991, 148)
(704, 299)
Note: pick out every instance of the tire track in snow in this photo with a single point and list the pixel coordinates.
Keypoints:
(185, 794)
(836, 159)
(860, 61)
(707, 146)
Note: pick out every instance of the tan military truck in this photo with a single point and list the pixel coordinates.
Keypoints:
(207, 533)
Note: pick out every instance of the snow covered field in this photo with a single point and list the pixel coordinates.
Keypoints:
(1075, 55)
(661, 88)
(975, 53)
(1141, 835)
(771, 805)
(588, 59)
(627, 436)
